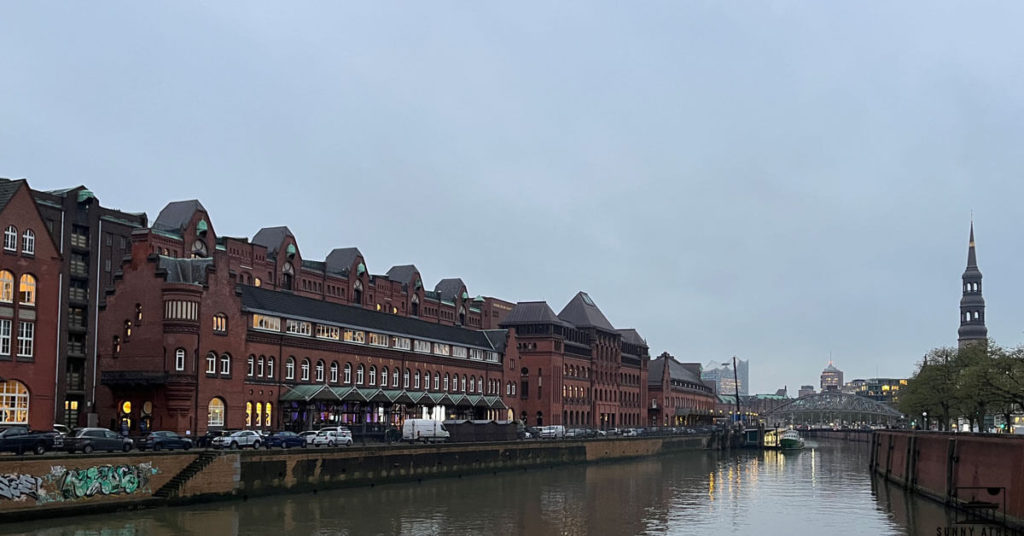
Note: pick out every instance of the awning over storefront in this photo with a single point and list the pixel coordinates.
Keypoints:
(306, 393)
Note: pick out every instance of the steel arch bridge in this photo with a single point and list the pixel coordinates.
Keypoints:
(834, 407)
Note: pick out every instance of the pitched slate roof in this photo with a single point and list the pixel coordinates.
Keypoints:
(582, 312)
(190, 271)
(687, 372)
(176, 214)
(537, 312)
(272, 238)
(498, 338)
(403, 274)
(289, 305)
(449, 289)
(8, 188)
(631, 336)
(339, 260)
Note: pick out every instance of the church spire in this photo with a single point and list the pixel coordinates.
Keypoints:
(972, 304)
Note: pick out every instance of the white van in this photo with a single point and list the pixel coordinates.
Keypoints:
(424, 430)
(555, 431)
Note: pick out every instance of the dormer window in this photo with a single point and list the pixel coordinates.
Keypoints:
(199, 249)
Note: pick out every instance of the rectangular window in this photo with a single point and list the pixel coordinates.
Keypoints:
(268, 323)
(5, 337)
(179, 359)
(352, 335)
(458, 351)
(422, 346)
(296, 327)
(376, 339)
(442, 349)
(328, 332)
(26, 338)
(401, 343)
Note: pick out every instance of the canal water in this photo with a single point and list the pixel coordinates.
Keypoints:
(824, 489)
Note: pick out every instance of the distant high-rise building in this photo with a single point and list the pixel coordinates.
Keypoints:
(972, 304)
(721, 375)
(831, 378)
(805, 390)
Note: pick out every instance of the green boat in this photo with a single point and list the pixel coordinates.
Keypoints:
(791, 440)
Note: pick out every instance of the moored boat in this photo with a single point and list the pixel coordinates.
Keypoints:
(791, 440)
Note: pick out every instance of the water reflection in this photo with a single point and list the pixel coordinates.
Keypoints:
(824, 488)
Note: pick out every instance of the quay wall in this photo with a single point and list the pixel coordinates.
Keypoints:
(33, 487)
(977, 473)
(857, 436)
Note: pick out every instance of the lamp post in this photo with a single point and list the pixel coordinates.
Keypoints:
(924, 415)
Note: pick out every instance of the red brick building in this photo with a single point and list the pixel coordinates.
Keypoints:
(677, 395)
(30, 286)
(574, 368)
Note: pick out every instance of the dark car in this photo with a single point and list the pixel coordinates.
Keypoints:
(284, 440)
(19, 439)
(206, 440)
(90, 439)
(164, 440)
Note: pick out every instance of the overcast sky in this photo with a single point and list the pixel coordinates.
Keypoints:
(778, 181)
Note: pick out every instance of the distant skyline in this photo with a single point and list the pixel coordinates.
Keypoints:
(775, 181)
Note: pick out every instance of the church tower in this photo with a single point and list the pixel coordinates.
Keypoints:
(972, 305)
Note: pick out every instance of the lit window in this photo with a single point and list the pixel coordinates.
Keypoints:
(266, 410)
(215, 413)
(13, 402)
(27, 290)
(6, 286)
(355, 336)
(257, 282)
(259, 412)
(11, 238)
(268, 323)
(220, 323)
(376, 339)
(179, 359)
(328, 332)
(28, 242)
(248, 413)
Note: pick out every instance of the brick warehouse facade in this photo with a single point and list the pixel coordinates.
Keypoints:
(202, 332)
(30, 287)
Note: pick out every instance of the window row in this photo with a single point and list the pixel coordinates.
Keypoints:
(28, 240)
(260, 367)
(26, 338)
(323, 331)
(26, 288)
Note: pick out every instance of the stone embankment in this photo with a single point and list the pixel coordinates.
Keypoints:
(981, 475)
(34, 487)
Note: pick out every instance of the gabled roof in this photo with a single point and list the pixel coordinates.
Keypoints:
(449, 289)
(498, 338)
(190, 271)
(403, 273)
(8, 188)
(537, 312)
(582, 312)
(339, 260)
(272, 238)
(687, 372)
(289, 305)
(175, 215)
(631, 336)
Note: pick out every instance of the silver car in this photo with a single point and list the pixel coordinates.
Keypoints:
(239, 439)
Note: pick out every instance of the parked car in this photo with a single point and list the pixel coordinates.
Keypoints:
(206, 440)
(164, 440)
(555, 431)
(239, 439)
(19, 440)
(284, 440)
(332, 438)
(62, 430)
(90, 439)
(308, 436)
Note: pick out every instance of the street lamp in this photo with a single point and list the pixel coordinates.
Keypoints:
(924, 414)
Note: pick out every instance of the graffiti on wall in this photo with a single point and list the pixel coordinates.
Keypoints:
(62, 484)
(18, 487)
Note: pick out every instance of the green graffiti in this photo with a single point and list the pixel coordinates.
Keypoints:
(105, 480)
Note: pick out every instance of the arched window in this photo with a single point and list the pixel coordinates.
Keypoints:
(27, 290)
(270, 367)
(357, 293)
(348, 373)
(252, 365)
(383, 377)
(360, 375)
(259, 414)
(179, 359)
(13, 402)
(472, 384)
(225, 364)
(394, 377)
(215, 413)
(288, 274)
(415, 306)
(289, 369)
(463, 383)
(220, 323)
(266, 411)
(11, 238)
(334, 372)
(320, 371)
(248, 413)
(305, 370)
(437, 381)
(462, 316)
(6, 286)
(373, 375)
(417, 380)
(405, 379)
(445, 381)
(211, 363)
(259, 366)
(28, 242)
